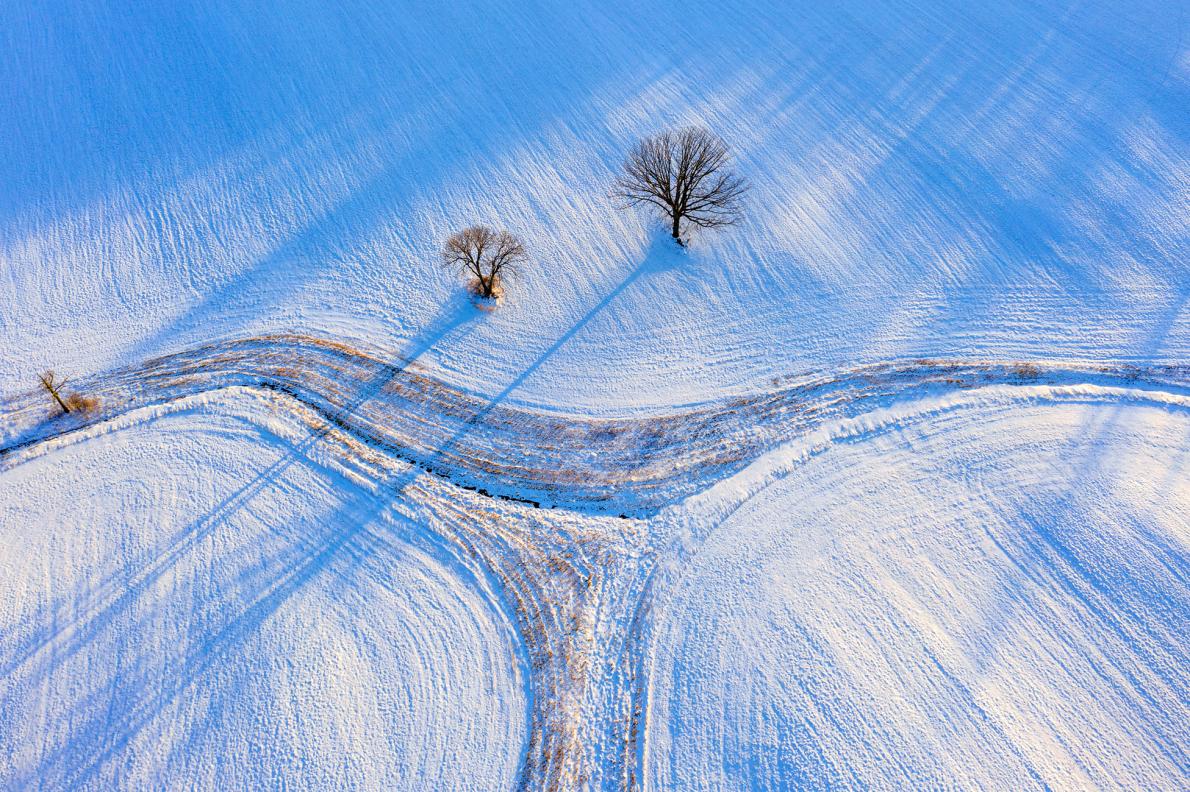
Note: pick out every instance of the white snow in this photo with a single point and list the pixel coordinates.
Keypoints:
(994, 597)
(901, 459)
(192, 601)
(992, 180)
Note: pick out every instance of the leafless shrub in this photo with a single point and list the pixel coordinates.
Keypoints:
(488, 256)
(685, 174)
(82, 404)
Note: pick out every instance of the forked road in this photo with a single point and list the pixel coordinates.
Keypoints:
(579, 597)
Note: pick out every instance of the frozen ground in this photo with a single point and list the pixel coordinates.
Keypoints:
(885, 487)
(931, 179)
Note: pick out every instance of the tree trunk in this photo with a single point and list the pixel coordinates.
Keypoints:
(677, 229)
(61, 403)
(54, 392)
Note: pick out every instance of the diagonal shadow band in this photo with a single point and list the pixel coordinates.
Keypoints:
(96, 741)
(119, 593)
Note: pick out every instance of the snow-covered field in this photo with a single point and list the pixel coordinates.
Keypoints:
(983, 587)
(886, 487)
(930, 179)
(992, 597)
(193, 601)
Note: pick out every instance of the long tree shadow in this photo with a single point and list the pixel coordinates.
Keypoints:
(660, 254)
(144, 684)
(119, 592)
(141, 688)
(138, 692)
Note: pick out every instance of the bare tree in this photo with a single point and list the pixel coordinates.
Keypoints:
(74, 402)
(487, 255)
(684, 173)
(53, 385)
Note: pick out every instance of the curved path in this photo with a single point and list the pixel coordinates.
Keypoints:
(579, 590)
(632, 466)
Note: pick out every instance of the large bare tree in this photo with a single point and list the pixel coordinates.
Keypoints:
(685, 173)
(487, 255)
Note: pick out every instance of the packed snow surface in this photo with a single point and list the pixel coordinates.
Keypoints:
(967, 179)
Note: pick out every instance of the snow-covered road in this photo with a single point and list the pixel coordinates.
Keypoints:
(917, 532)
(617, 465)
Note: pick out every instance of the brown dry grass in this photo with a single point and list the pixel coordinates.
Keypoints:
(1026, 371)
(487, 303)
(82, 404)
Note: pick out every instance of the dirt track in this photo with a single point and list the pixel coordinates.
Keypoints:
(621, 466)
(579, 591)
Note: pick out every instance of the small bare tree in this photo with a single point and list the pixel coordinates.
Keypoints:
(73, 402)
(684, 173)
(489, 256)
(53, 385)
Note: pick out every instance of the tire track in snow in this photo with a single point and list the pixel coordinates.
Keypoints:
(559, 583)
(632, 466)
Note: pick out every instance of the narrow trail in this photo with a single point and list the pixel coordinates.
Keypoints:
(579, 591)
(632, 466)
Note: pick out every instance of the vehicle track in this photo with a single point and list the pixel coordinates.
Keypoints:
(631, 466)
(579, 592)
